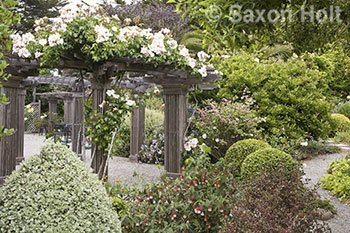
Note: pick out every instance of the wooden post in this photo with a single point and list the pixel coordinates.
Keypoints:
(77, 123)
(10, 146)
(137, 131)
(98, 155)
(20, 134)
(52, 107)
(68, 110)
(175, 124)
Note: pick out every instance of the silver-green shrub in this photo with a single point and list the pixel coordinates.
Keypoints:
(55, 192)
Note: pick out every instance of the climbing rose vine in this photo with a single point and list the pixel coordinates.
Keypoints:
(91, 36)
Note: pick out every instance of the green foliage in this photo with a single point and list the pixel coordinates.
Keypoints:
(55, 192)
(217, 19)
(153, 121)
(193, 41)
(154, 102)
(238, 152)
(315, 148)
(276, 202)
(219, 125)
(119, 205)
(109, 117)
(152, 151)
(342, 122)
(337, 181)
(345, 110)
(326, 205)
(267, 160)
(289, 95)
(334, 65)
(342, 137)
(195, 202)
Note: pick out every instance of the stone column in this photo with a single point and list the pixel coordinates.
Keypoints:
(10, 146)
(77, 123)
(20, 134)
(175, 123)
(52, 107)
(137, 131)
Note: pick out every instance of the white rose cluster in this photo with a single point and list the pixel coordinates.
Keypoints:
(20, 44)
(152, 44)
(103, 34)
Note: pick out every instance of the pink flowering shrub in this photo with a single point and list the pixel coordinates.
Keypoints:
(219, 125)
(195, 202)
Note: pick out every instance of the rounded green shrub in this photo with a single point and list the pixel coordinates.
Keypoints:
(341, 121)
(238, 152)
(345, 110)
(267, 160)
(55, 192)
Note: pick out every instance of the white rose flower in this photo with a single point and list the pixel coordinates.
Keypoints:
(172, 44)
(43, 42)
(38, 54)
(202, 56)
(165, 31)
(184, 51)
(191, 62)
(102, 33)
(115, 17)
(194, 142)
(257, 60)
(204, 136)
(147, 52)
(23, 52)
(127, 21)
(110, 92)
(304, 144)
(130, 102)
(187, 146)
(55, 39)
(27, 37)
(217, 140)
(203, 71)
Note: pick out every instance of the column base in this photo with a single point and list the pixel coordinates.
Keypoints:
(133, 159)
(173, 176)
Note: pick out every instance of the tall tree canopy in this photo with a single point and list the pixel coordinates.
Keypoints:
(245, 23)
(34, 9)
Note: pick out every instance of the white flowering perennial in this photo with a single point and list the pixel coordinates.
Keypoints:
(191, 144)
(98, 38)
(55, 192)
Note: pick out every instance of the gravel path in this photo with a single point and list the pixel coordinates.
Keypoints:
(314, 170)
(119, 168)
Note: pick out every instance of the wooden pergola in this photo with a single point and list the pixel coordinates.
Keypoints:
(174, 82)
